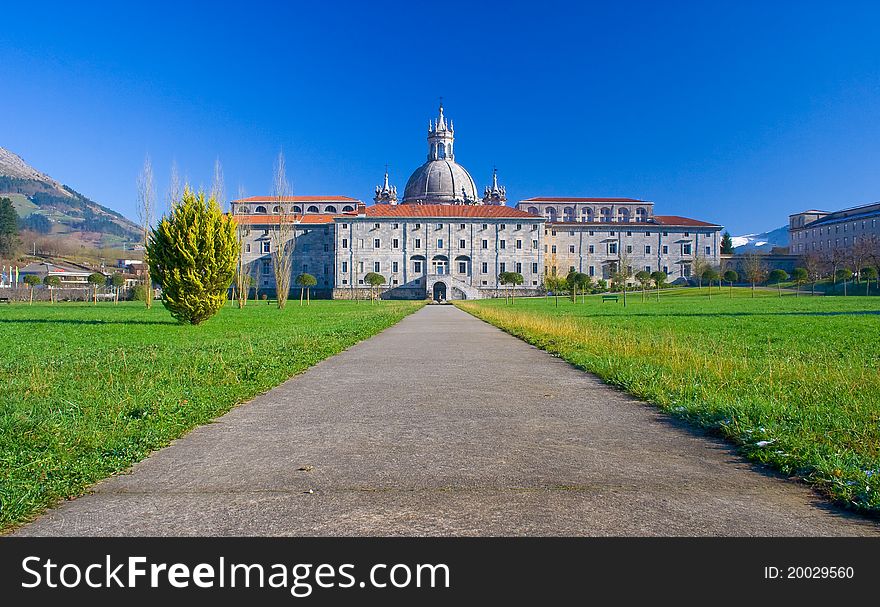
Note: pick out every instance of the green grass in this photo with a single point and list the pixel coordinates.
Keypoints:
(85, 391)
(794, 381)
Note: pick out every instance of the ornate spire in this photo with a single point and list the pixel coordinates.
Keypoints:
(440, 138)
(385, 194)
(496, 194)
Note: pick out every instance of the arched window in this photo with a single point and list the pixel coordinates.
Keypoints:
(260, 209)
(605, 214)
(641, 215)
(568, 214)
(297, 208)
(449, 150)
(347, 208)
(242, 209)
(551, 213)
(623, 215)
(330, 209)
(312, 209)
(534, 211)
(587, 214)
(441, 151)
(276, 209)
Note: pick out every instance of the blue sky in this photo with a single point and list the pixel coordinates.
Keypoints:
(733, 112)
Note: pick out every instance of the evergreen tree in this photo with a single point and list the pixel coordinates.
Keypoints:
(8, 229)
(193, 254)
(726, 244)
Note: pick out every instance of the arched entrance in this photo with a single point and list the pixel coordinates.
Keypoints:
(439, 291)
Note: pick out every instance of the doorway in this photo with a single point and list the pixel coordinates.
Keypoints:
(439, 291)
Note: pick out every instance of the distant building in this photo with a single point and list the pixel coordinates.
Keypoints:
(444, 241)
(69, 274)
(821, 231)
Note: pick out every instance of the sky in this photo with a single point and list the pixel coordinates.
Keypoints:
(738, 113)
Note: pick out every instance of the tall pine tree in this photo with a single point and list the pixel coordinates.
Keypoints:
(8, 229)
(726, 244)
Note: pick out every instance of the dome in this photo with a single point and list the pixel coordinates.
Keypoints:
(440, 182)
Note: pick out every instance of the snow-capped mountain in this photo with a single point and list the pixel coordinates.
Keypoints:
(762, 242)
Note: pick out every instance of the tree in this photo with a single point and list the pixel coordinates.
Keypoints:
(813, 264)
(698, 267)
(731, 277)
(644, 278)
(305, 282)
(174, 192)
(726, 244)
(96, 279)
(31, 281)
(283, 239)
(513, 279)
(710, 275)
(375, 280)
(573, 281)
(53, 282)
(755, 270)
(799, 275)
(776, 277)
(832, 258)
(9, 241)
(659, 278)
(554, 284)
(118, 281)
(622, 271)
(192, 253)
(585, 282)
(843, 274)
(146, 206)
(242, 269)
(868, 274)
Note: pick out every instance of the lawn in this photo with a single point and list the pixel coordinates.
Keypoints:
(794, 381)
(89, 390)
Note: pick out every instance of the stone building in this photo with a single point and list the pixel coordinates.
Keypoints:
(443, 241)
(821, 231)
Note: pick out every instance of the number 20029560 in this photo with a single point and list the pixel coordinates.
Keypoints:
(807, 573)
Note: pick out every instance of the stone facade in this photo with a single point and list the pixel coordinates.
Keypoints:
(821, 232)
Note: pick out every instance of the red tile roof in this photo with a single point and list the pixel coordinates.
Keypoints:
(567, 199)
(675, 220)
(445, 210)
(317, 218)
(271, 199)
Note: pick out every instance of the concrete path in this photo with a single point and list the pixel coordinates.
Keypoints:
(444, 425)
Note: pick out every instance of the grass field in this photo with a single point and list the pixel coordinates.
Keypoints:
(85, 391)
(795, 382)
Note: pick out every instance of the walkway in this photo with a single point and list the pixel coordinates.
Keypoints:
(444, 425)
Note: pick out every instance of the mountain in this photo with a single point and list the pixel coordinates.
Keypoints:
(761, 243)
(48, 207)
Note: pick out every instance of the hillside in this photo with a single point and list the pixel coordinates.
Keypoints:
(761, 243)
(53, 209)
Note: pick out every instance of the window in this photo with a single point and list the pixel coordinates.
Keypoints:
(571, 232)
(344, 266)
(591, 233)
(345, 281)
(534, 268)
(570, 269)
(647, 249)
(418, 226)
(648, 269)
(612, 248)
(686, 248)
(502, 244)
(439, 226)
(376, 266)
(612, 233)
(666, 269)
(485, 225)
(418, 243)
(709, 250)
(665, 250)
(534, 244)
(267, 267)
(553, 249)
(247, 248)
(571, 248)
(439, 243)
(345, 226)
(519, 226)
(485, 244)
(519, 268)
(462, 244)
(647, 234)
(592, 271)
(503, 267)
(377, 244)
(417, 267)
(266, 246)
(666, 233)
(519, 244)
(485, 268)
(591, 249)
(395, 243)
(265, 232)
(376, 226)
(461, 226)
(686, 234)
(394, 266)
(629, 248)
(462, 267)
(361, 267)
(629, 233)
(502, 226)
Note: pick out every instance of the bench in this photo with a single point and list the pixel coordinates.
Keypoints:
(610, 298)
(4, 300)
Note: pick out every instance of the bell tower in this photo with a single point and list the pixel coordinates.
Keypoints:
(440, 138)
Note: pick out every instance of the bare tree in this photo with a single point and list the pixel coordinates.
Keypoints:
(698, 267)
(243, 269)
(814, 266)
(146, 206)
(174, 188)
(755, 269)
(282, 239)
(861, 254)
(833, 258)
(217, 189)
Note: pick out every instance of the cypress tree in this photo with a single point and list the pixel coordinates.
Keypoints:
(193, 253)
